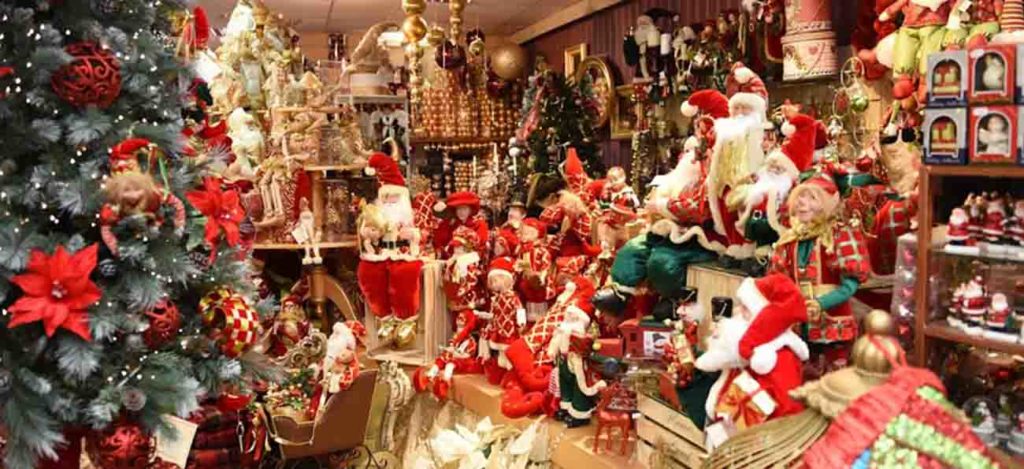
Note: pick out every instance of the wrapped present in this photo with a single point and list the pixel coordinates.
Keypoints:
(744, 402)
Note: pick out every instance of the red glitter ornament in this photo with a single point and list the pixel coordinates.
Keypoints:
(164, 321)
(92, 78)
(124, 445)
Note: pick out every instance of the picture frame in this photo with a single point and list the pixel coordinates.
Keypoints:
(603, 85)
(574, 57)
(623, 115)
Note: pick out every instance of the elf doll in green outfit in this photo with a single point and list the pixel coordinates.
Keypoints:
(829, 261)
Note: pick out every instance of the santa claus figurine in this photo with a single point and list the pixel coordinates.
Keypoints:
(340, 366)
(737, 154)
(507, 316)
(759, 355)
(571, 346)
(462, 272)
(975, 302)
(975, 205)
(998, 318)
(829, 261)
(1015, 224)
(958, 231)
(762, 200)
(390, 279)
(995, 215)
(459, 357)
(532, 267)
(463, 209)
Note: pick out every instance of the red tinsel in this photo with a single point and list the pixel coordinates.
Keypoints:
(92, 78)
(57, 291)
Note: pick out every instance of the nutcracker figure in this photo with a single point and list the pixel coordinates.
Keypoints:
(462, 272)
(828, 260)
(532, 268)
(463, 210)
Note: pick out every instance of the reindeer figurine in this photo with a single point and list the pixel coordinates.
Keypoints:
(608, 420)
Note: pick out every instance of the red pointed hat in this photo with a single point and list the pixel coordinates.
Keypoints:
(708, 102)
(463, 199)
(385, 169)
(572, 170)
(797, 151)
(820, 135)
(776, 304)
(124, 156)
(819, 182)
(583, 291)
(501, 266)
(470, 320)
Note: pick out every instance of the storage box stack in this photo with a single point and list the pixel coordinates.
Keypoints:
(809, 46)
(973, 100)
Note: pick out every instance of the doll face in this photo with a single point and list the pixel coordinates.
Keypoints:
(391, 199)
(807, 207)
(741, 109)
(344, 357)
(740, 310)
(499, 283)
(997, 125)
(516, 214)
(462, 213)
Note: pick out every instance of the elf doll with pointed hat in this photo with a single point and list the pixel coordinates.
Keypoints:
(567, 214)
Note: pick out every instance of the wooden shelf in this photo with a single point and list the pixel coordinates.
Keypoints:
(345, 243)
(992, 171)
(370, 99)
(429, 140)
(334, 167)
(943, 331)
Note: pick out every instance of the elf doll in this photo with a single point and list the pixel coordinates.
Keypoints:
(462, 272)
(982, 22)
(460, 356)
(616, 188)
(532, 267)
(507, 316)
(920, 34)
(463, 211)
(828, 260)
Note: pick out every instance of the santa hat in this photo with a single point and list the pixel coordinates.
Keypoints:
(820, 135)
(469, 325)
(345, 336)
(572, 171)
(745, 87)
(777, 305)
(464, 236)
(708, 102)
(582, 291)
(537, 224)
(797, 152)
(389, 176)
(501, 266)
(824, 185)
(124, 156)
(508, 239)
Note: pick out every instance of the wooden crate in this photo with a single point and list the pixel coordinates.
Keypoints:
(710, 280)
(660, 424)
(433, 329)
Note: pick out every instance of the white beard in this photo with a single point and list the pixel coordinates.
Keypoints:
(397, 214)
(685, 175)
(723, 351)
(729, 128)
(767, 182)
(957, 219)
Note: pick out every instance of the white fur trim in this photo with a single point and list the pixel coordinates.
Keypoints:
(440, 206)
(751, 297)
(744, 74)
(500, 273)
(688, 109)
(716, 389)
(691, 143)
(576, 368)
(788, 129)
(753, 100)
(765, 356)
(786, 162)
(370, 171)
(573, 311)
(679, 234)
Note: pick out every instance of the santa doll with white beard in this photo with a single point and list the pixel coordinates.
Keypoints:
(463, 209)
(390, 279)
(762, 200)
(737, 154)
(758, 354)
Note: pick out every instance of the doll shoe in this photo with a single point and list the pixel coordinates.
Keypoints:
(405, 333)
(386, 333)
(441, 389)
(420, 380)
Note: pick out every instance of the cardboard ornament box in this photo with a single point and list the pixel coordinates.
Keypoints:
(992, 74)
(947, 79)
(994, 135)
(945, 136)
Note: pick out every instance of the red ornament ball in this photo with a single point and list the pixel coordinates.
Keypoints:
(123, 445)
(92, 78)
(164, 321)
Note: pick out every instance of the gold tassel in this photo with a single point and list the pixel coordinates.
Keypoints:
(777, 443)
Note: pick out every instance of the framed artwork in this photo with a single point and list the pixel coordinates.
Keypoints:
(623, 114)
(574, 56)
(603, 85)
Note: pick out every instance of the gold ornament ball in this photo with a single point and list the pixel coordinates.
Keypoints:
(436, 36)
(414, 7)
(509, 61)
(456, 6)
(414, 28)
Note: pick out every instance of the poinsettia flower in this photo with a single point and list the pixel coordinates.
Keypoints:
(57, 291)
(221, 208)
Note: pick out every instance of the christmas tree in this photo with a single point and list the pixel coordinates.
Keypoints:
(114, 243)
(558, 113)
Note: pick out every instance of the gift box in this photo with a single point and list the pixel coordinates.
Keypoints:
(945, 136)
(947, 80)
(992, 77)
(994, 135)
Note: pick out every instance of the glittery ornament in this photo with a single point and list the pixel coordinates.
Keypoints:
(133, 399)
(164, 321)
(123, 445)
(450, 56)
(93, 77)
(232, 322)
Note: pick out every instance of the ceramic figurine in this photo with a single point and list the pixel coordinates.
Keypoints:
(958, 231)
(992, 74)
(947, 79)
(975, 302)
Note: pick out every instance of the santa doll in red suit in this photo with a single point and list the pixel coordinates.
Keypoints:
(507, 316)
(459, 357)
(995, 215)
(758, 354)
(737, 155)
(463, 209)
(526, 389)
(959, 233)
(340, 366)
(533, 265)
(1015, 224)
(462, 272)
(389, 279)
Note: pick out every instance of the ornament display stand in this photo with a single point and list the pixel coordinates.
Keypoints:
(433, 327)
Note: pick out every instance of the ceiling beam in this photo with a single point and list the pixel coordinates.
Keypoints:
(576, 11)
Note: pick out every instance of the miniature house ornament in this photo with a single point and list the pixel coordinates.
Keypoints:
(947, 79)
(945, 136)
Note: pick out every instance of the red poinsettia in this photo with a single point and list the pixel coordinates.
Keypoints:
(57, 291)
(221, 208)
